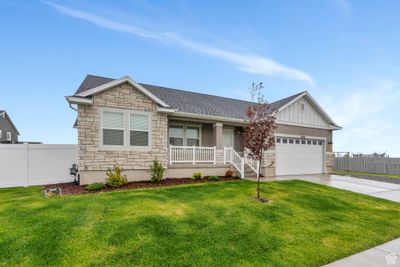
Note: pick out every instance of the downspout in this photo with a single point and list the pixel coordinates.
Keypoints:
(71, 107)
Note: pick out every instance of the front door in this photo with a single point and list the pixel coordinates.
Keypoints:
(227, 137)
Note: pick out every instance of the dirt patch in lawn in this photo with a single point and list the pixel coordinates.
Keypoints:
(74, 189)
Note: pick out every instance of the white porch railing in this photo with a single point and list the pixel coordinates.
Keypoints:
(232, 157)
(253, 164)
(192, 154)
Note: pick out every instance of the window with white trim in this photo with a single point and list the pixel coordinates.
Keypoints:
(113, 128)
(184, 135)
(192, 136)
(139, 129)
(176, 135)
(8, 136)
(125, 129)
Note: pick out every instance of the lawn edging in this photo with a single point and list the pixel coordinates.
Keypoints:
(74, 189)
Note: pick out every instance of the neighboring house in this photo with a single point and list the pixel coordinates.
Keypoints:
(8, 132)
(124, 122)
(373, 155)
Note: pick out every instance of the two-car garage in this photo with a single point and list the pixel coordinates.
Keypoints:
(299, 155)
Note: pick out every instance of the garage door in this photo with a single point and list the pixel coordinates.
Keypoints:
(299, 156)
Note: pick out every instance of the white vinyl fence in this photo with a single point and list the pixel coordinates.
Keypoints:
(36, 164)
(371, 165)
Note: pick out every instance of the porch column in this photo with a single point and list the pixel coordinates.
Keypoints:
(218, 135)
(218, 142)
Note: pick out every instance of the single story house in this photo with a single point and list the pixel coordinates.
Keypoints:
(8, 132)
(131, 124)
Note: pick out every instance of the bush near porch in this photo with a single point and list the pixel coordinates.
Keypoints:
(205, 224)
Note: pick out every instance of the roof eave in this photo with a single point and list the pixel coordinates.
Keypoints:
(119, 81)
(208, 117)
(315, 103)
(79, 100)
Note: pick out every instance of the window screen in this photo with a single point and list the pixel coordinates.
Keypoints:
(192, 136)
(139, 129)
(113, 128)
(176, 135)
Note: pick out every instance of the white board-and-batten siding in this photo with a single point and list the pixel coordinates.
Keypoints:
(293, 114)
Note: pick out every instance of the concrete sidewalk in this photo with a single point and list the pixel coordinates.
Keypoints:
(387, 254)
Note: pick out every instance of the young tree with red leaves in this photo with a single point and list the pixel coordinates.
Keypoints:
(259, 130)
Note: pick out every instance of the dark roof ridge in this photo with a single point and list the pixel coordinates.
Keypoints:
(186, 91)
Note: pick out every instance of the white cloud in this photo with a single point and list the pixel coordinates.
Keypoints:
(350, 104)
(249, 63)
(366, 114)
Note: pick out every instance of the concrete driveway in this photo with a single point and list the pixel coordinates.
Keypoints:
(387, 254)
(368, 187)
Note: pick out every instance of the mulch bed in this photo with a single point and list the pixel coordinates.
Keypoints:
(74, 189)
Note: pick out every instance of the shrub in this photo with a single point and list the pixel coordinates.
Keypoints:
(115, 177)
(197, 176)
(214, 178)
(229, 173)
(95, 186)
(156, 171)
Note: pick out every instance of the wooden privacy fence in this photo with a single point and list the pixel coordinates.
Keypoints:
(371, 165)
(25, 164)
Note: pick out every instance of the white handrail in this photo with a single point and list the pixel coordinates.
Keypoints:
(234, 158)
(253, 164)
(231, 156)
(192, 154)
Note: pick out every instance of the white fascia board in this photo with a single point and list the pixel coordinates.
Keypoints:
(79, 100)
(291, 102)
(329, 127)
(315, 104)
(119, 81)
(165, 110)
(208, 117)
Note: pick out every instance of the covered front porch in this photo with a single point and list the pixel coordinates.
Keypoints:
(207, 145)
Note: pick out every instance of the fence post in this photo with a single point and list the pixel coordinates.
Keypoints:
(365, 165)
(225, 155)
(170, 154)
(27, 164)
(194, 155)
(215, 155)
(242, 167)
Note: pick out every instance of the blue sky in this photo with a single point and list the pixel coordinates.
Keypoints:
(345, 53)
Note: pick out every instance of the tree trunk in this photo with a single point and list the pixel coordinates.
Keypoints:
(258, 179)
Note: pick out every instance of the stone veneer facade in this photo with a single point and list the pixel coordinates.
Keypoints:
(94, 160)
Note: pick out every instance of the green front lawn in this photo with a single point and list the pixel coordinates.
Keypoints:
(367, 174)
(214, 224)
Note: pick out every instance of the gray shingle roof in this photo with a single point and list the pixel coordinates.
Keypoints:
(191, 102)
(92, 81)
